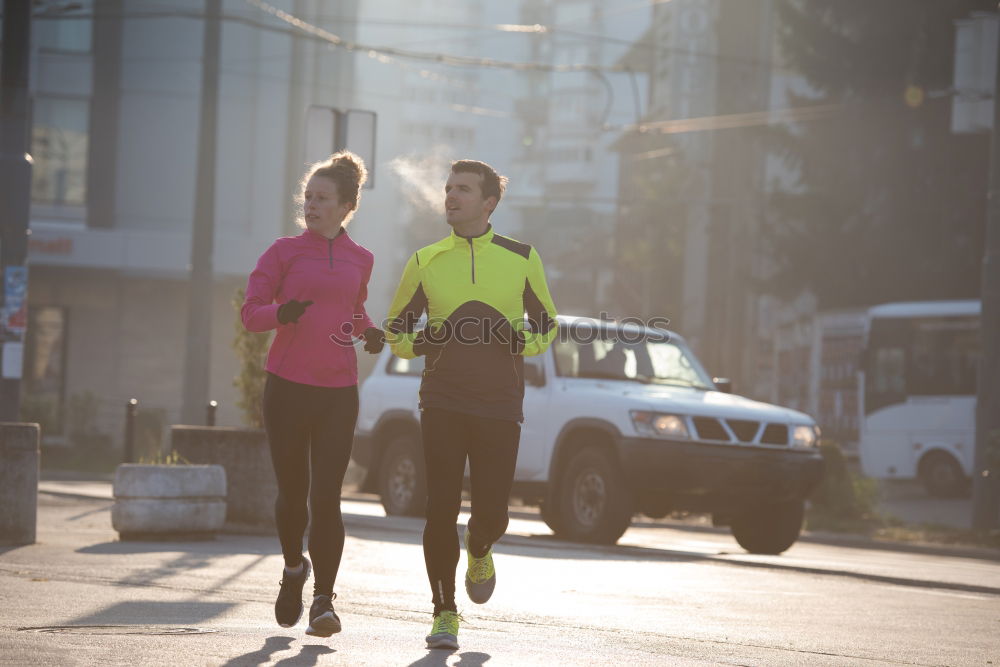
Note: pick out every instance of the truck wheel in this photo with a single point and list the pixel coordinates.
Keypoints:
(769, 529)
(595, 504)
(402, 479)
(942, 476)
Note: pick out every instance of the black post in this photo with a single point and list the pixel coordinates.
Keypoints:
(15, 198)
(130, 410)
(197, 356)
(986, 471)
(210, 413)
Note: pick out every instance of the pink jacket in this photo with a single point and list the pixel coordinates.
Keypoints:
(333, 274)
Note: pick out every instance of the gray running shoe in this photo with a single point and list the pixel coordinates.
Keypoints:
(481, 576)
(323, 620)
(444, 632)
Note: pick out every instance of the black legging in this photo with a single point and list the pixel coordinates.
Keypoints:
(302, 423)
(491, 448)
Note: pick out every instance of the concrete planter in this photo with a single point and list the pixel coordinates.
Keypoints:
(168, 501)
(244, 453)
(18, 482)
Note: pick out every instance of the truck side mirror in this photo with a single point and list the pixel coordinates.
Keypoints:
(725, 385)
(533, 375)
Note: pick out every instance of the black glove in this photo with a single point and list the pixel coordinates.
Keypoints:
(292, 310)
(374, 340)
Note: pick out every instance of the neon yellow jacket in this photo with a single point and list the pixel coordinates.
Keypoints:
(476, 293)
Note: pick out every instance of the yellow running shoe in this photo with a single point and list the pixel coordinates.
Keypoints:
(444, 632)
(481, 576)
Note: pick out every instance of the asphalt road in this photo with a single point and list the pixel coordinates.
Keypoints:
(664, 596)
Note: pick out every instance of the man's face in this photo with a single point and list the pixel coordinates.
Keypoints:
(464, 202)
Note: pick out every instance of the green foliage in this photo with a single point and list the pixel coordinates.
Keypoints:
(160, 459)
(251, 350)
(43, 410)
(149, 425)
(889, 203)
(656, 182)
(843, 494)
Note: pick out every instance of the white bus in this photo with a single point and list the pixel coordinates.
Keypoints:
(917, 393)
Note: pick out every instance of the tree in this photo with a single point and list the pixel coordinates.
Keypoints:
(888, 204)
(251, 350)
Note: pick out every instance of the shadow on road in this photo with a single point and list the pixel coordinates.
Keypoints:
(439, 658)
(262, 655)
(308, 656)
(155, 612)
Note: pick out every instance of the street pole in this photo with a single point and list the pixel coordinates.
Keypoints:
(197, 356)
(15, 199)
(986, 471)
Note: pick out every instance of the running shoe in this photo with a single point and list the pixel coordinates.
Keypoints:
(481, 576)
(288, 606)
(323, 620)
(444, 632)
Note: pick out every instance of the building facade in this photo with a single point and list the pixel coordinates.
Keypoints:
(117, 103)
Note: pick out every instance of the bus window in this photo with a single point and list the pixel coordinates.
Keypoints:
(943, 357)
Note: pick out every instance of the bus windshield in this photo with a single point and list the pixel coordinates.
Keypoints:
(920, 356)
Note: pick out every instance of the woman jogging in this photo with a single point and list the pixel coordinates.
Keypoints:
(312, 289)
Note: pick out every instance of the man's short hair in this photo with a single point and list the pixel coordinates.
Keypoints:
(493, 183)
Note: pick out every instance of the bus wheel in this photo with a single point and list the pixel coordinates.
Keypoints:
(942, 476)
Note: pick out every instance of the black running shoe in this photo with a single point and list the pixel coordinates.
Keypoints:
(323, 620)
(288, 606)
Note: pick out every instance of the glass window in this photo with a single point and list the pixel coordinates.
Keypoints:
(398, 366)
(62, 30)
(943, 357)
(44, 368)
(619, 356)
(59, 148)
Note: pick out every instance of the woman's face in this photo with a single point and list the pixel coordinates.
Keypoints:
(322, 207)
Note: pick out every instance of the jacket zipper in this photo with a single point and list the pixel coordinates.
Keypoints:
(329, 248)
(472, 250)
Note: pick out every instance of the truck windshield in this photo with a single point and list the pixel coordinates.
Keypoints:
(590, 353)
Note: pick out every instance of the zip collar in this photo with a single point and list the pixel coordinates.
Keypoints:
(316, 237)
(454, 241)
(477, 242)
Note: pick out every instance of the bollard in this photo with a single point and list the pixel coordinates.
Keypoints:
(130, 409)
(210, 413)
(19, 460)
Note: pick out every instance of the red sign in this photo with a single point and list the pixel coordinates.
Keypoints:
(56, 246)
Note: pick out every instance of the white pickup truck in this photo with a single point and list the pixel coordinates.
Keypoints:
(618, 419)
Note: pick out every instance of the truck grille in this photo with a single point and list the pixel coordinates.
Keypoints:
(775, 434)
(710, 429)
(745, 430)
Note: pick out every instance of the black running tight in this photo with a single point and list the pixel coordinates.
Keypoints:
(310, 431)
(490, 445)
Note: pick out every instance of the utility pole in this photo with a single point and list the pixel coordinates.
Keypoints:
(986, 471)
(15, 199)
(197, 355)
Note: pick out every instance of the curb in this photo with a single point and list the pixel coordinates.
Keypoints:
(100, 490)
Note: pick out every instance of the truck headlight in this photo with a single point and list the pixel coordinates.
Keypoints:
(804, 436)
(659, 425)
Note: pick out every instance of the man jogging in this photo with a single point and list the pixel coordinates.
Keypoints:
(476, 287)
